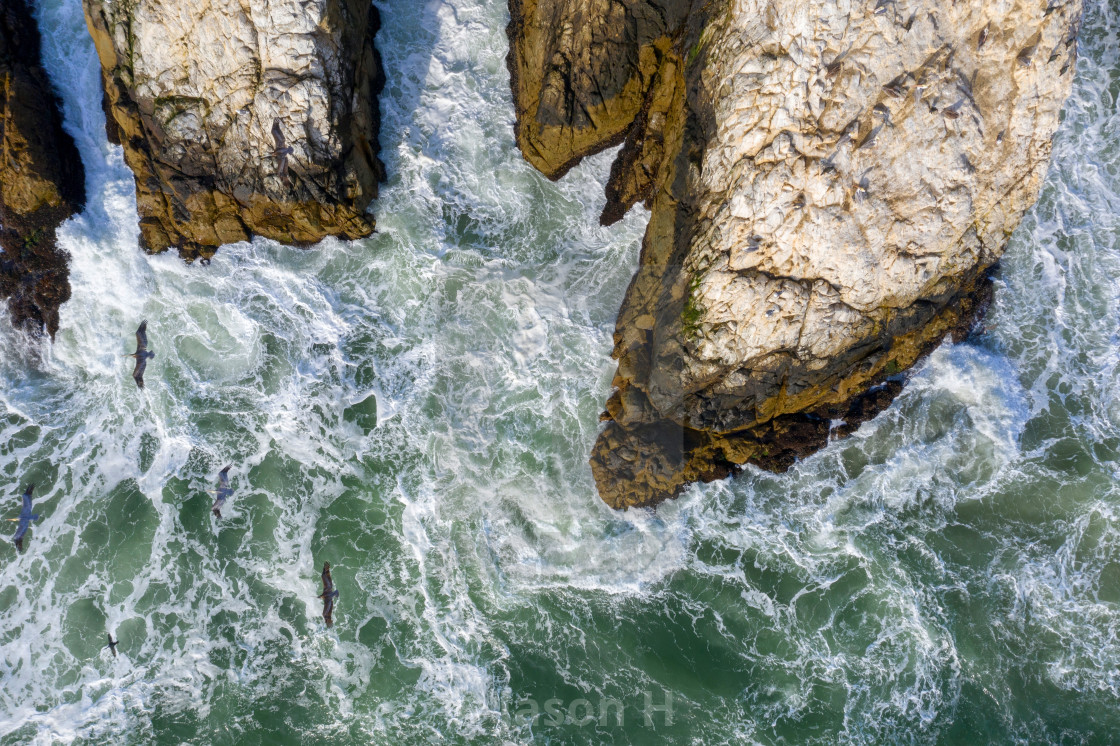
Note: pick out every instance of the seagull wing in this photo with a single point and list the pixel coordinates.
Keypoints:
(278, 134)
(142, 337)
(138, 371)
(328, 583)
(27, 499)
(223, 491)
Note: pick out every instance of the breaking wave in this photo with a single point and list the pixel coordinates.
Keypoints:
(417, 408)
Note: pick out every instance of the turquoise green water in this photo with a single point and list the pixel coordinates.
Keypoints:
(417, 409)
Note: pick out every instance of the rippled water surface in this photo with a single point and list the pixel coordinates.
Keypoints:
(418, 408)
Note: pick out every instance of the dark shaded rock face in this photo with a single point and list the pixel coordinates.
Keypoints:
(829, 186)
(583, 72)
(193, 89)
(41, 178)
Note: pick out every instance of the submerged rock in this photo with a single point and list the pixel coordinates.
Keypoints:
(193, 91)
(41, 178)
(829, 186)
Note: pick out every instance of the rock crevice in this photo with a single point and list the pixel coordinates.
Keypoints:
(42, 181)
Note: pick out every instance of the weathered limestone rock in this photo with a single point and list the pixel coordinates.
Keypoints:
(829, 185)
(193, 88)
(41, 178)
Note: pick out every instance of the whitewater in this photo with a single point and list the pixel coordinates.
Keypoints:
(417, 409)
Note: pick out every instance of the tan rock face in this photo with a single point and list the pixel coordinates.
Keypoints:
(41, 178)
(193, 89)
(829, 183)
(582, 70)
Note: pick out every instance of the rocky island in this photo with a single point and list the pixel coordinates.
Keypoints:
(829, 186)
(42, 182)
(207, 98)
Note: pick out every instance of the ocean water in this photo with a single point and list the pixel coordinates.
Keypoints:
(417, 409)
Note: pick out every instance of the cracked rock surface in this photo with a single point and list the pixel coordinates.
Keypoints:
(193, 88)
(830, 184)
(42, 182)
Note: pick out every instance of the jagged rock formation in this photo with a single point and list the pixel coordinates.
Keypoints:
(41, 178)
(192, 91)
(829, 184)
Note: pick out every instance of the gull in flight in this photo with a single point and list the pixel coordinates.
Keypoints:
(328, 595)
(222, 493)
(142, 354)
(281, 153)
(26, 517)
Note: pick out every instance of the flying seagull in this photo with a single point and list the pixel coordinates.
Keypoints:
(113, 645)
(142, 354)
(25, 518)
(222, 493)
(328, 595)
(281, 153)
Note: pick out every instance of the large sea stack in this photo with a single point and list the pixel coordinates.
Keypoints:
(192, 91)
(41, 178)
(830, 185)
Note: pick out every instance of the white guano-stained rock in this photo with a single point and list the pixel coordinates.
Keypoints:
(830, 184)
(865, 158)
(193, 88)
